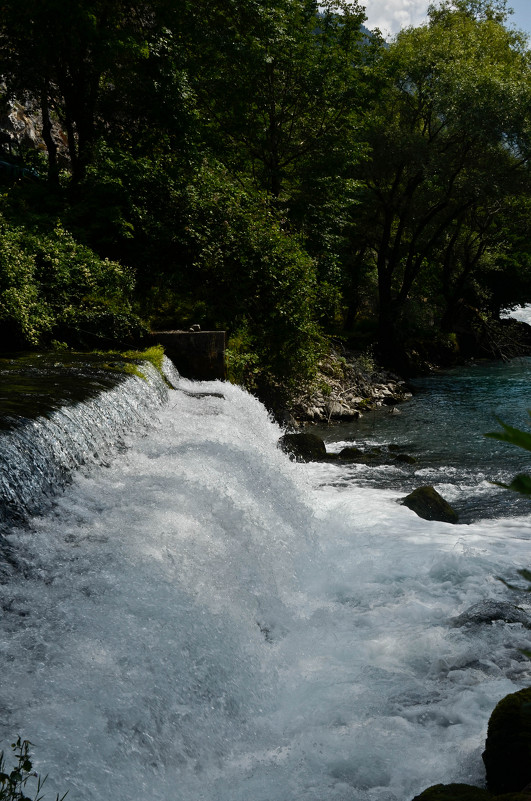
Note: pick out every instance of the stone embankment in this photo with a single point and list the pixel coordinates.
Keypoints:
(346, 386)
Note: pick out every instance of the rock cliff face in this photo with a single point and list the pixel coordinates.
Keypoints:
(21, 129)
(345, 387)
(18, 127)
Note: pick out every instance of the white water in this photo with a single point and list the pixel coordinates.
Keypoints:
(204, 620)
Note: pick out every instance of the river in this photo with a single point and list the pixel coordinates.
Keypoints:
(198, 618)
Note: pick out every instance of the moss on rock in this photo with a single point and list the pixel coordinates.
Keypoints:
(507, 754)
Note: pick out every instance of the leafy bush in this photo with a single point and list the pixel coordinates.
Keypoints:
(51, 286)
(256, 280)
(13, 784)
(25, 317)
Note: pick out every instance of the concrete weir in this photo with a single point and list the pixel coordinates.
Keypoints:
(195, 354)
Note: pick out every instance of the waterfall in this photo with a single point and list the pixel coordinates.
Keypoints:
(38, 456)
(197, 618)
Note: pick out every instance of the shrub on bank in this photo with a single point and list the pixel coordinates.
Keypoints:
(53, 287)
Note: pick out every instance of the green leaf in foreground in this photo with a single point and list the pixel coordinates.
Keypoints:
(514, 436)
(520, 483)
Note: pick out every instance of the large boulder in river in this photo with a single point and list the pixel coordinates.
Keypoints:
(507, 754)
(304, 447)
(454, 792)
(488, 611)
(428, 504)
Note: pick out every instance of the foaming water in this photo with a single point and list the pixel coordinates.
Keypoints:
(204, 620)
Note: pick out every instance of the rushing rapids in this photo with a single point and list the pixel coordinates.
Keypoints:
(199, 619)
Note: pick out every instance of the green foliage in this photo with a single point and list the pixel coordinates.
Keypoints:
(256, 280)
(52, 287)
(449, 141)
(267, 168)
(242, 360)
(279, 83)
(67, 54)
(24, 313)
(14, 783)
(514, 436)
(365, 361)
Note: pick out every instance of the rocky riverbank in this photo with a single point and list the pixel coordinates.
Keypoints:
(346, 386)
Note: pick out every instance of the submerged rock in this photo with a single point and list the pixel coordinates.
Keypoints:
(353, 454)
(454, 792)
(507, 754)
(428, 504)
(304, 447)
(405, 458)
(488, 611)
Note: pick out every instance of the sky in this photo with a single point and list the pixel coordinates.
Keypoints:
(392, 15)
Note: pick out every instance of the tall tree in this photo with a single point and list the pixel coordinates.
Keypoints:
(276, 82)
(60, 51)
(450, 145)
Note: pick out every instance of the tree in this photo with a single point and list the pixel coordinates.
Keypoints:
(277, 83)
(450, 144)
(61, 52)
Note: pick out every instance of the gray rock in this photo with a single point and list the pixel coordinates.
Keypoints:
(428, 504)
(488, 611)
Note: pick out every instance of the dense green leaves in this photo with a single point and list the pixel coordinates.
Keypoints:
(252, 276)
(51, 287)
(449, 133)
(269, 168)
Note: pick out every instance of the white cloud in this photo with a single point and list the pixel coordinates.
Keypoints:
(392, 15)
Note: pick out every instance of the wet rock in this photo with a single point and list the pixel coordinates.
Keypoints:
(374, 456)
(454, 792)
(350, 453)
(428, 504)
(405, 458)
(335, 410)
(507, 754)
(488, 611)
(304, 447)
